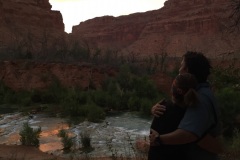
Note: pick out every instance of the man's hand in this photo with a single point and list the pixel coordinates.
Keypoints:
(158, 110)
(152, 137)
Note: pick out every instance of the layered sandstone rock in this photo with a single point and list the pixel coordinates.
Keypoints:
(29, 26)
(198, 25)
(28, 75)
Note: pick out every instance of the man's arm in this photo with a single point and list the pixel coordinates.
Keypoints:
(179, 136)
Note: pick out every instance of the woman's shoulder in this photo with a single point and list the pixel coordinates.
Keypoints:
(172, 108)
(169, 104)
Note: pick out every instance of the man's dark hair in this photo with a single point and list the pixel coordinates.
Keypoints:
(198, 65)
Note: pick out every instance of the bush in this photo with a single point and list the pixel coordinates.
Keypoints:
(94, 112)
(72, 101)
(23, 98)
(146, 106)
(229, 102)
(236, 140)
(6, 94)
(67, 141)
(100, 98)
(144, 87)
(29, 136)
(134, 103)
(86, 141)
(226, 83)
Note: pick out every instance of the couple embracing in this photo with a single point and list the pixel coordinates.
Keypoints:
(187, 126)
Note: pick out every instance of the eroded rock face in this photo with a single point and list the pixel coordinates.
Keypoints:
(198, 25)
(26, 75)
(29, 26)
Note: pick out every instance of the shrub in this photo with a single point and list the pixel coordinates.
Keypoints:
(6, 94)
(99, 97)
(236, 140)
(94, 112)
(67, 141)
(144, 87)
(146, 106)
(72, 101)
(29, 136)
(54, 93)
(229, 102)
(134, 103)
(86, 141)
(23, 98)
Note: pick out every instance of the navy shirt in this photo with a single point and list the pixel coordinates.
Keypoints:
(198, 119)
(202, 119)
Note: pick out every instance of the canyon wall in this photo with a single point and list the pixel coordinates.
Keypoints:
(197, 25)
(29, 27)
(30, 75)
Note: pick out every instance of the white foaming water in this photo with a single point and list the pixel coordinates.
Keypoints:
(118, 132)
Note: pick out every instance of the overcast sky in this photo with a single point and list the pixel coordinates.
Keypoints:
(76, 11)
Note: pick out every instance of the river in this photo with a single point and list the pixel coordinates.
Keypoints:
(117, 133)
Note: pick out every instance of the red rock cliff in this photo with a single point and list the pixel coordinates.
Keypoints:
(198, 25)
(28, 75)
(29, 26)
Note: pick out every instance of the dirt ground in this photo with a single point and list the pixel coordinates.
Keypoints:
(17, 152)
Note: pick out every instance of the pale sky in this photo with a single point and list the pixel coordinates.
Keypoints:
(76, 11)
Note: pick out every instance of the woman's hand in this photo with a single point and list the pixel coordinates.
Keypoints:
(152, 137)
(158, 110)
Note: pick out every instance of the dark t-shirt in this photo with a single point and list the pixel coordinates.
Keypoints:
(170, 120)
(166, 123)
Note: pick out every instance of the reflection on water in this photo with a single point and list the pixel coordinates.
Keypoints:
(11, 125)
(49, 141)
(118, 130)
(51, 146)
(48, 133)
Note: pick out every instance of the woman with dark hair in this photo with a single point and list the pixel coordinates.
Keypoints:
(183, 96)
